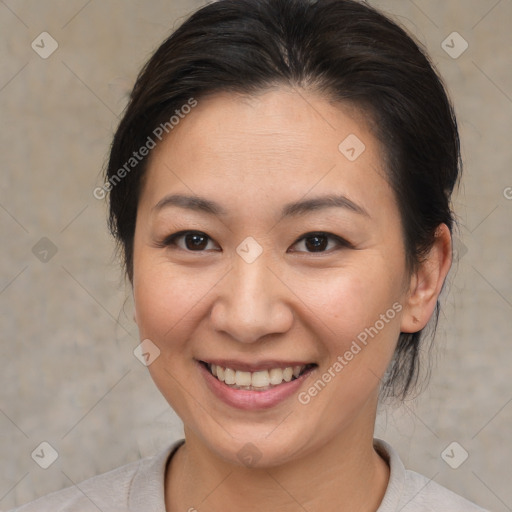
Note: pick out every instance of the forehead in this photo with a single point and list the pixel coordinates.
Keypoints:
(280, 144)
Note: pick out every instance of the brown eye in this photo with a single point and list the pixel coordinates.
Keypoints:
(192, 241)
(317, 243)
(320, 242)
(196, 242)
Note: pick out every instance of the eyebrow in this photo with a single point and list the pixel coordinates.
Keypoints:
(318, 203)
(195, 203)
(200, 204)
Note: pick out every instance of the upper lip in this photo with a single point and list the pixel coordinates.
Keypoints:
(254, 366)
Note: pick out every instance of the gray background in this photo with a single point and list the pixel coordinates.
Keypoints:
(68, 375)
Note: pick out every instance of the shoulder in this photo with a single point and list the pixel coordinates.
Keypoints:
(121, 489)
(409, 491)
(103, 492)
(421, 493)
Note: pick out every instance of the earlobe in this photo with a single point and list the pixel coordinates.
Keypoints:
(427, 282)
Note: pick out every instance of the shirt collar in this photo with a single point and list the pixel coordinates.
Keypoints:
(396, 482)
(147, 490)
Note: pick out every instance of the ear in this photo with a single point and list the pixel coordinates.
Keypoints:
(427, 282)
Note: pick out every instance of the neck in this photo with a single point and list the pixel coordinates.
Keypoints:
(344, 474)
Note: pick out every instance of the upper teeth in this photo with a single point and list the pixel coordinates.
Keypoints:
(259, 379)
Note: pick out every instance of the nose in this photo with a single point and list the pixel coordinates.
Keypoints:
(252, 303)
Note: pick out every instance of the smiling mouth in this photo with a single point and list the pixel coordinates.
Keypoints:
(257, 381)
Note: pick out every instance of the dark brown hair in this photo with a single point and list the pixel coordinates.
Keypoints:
(345, 49)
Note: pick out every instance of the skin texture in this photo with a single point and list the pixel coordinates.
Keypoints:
(253, 155)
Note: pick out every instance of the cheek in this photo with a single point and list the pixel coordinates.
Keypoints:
(361, 311)
(166, 300)
(362, 314)
(168, 308)
(349, 300)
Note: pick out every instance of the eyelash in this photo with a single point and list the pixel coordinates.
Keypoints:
(171, 240)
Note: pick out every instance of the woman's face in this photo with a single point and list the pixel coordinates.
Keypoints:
(251, 288)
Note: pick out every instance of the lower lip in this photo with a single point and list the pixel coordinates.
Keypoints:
(252, 400)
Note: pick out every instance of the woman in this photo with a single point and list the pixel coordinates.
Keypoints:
(280, 192)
